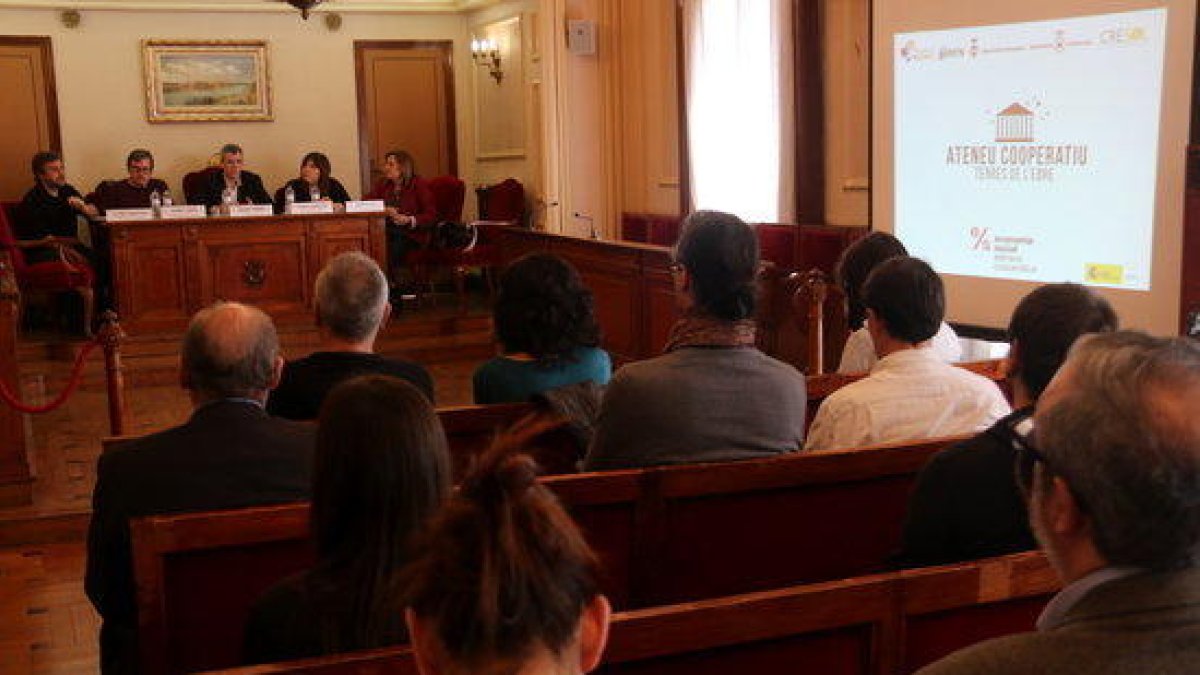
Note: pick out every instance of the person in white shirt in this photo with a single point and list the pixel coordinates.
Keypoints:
(855, 265)
(910, 393)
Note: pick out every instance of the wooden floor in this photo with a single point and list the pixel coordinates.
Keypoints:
(46, 622)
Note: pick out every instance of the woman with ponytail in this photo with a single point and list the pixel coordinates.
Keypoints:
(505, 583)
(381, 471)
(713, 396)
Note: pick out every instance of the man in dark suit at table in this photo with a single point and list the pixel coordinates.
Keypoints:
(1113, 479)
(247, 185)
(230, 454)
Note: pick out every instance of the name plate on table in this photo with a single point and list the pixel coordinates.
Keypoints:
(243, 210)
(125, 215)
(303, 208)
(182, 211)
(368, 206)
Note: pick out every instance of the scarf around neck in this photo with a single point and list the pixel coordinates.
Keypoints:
(701, 330)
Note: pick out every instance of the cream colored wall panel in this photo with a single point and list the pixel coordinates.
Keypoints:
(847, 115)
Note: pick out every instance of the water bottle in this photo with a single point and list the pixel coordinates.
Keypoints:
(228, 197)
(155, 203)
(166, 198)
(289, 198)
(314, 193)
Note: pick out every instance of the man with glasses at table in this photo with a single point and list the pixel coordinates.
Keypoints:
(132, 192)
(1113, 478)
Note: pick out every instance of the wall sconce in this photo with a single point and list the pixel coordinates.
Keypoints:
(486, 52)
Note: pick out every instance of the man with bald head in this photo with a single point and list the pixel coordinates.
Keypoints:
(229, 454)
(1113, 478)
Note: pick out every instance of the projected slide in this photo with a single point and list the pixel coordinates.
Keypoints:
(1029, 151)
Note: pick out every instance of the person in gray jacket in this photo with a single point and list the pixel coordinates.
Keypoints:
(713, 396)
(1114, 485)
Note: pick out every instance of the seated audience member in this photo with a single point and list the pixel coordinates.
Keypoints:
(966, 504)
(315, 180)
(351, 308)
(504, 581)
(381, 471)
(51, 210)
(411, 210)
(854, 267)
(547, 331)
(229, 454)
(713, 396)
(910, 393)
(1113, 478)
(247, 186)
(133, 192)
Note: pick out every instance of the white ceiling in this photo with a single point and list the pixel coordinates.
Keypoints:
(348, 6)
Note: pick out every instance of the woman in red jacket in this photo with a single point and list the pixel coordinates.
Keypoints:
(411, 211)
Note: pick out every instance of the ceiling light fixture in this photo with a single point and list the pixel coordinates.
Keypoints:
(304, 6)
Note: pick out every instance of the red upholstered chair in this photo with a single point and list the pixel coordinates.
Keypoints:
(503, 201)
(449, 192)
(68, 273)
(194, 184)
(777, 243)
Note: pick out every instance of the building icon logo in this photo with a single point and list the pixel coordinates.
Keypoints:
(1014, 124)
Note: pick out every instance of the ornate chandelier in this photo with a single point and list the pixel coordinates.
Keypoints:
(303, 5)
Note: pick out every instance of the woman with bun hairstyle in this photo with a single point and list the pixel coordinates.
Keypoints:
(505, 582)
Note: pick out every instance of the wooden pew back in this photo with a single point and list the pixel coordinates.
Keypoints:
(667, 534)
(875, 625)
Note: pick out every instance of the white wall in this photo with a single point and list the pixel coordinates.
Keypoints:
(101, 94)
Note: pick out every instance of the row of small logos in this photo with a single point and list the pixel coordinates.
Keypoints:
(186, 211)
(912, 51)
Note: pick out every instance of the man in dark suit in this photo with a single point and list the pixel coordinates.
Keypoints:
(229, 454)
(966, 504)
(352, 306)
(246, 184)
(1113, 480)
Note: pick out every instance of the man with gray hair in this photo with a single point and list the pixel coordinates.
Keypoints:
(229, 454)
(1114, 485)
(352, 306)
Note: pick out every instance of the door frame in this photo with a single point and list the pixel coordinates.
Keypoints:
(42, 42)
(446, 47)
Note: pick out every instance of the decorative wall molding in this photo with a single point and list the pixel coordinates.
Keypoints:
(266, 6)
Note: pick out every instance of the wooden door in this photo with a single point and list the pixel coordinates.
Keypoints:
(29, 116)
(406, 102)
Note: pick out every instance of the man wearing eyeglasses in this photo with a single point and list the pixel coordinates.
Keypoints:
(966, 504)
(1113, 478)
(132, 192)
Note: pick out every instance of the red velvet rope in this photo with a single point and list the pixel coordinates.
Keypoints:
(15, 403)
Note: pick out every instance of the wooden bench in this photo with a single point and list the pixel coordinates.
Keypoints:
(668, 534)
(877, 625)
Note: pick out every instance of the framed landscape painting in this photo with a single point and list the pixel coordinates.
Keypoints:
(204, 81)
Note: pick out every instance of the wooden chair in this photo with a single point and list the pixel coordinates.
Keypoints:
(504, 201)
(875, 625)
(195, 184)
(68, 273)
(668, 534)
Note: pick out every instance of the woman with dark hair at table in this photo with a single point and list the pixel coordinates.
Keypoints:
(314, 181)
(504, 582)
(381, 470)
(546, 329)
(411, 211)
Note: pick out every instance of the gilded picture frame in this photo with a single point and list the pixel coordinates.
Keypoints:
(207, 81)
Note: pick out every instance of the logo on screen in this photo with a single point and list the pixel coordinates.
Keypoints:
(1014, 124)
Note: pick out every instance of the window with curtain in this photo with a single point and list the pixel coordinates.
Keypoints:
(740, 107)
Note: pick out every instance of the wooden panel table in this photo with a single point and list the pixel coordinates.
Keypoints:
(165, 270)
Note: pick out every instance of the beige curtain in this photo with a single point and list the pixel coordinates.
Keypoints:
(740, 107)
